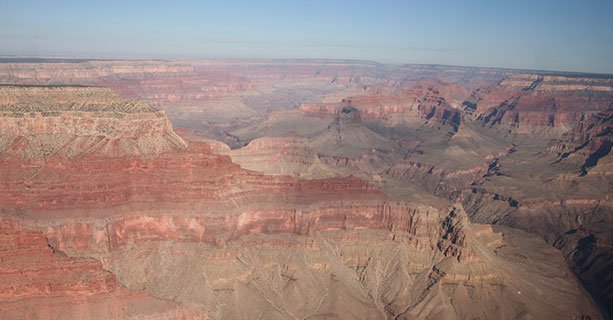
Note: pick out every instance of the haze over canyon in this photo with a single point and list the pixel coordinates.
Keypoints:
(303, 189)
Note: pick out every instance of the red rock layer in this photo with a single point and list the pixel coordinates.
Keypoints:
(434, 88)
(37, 282)
(218, 201)
(98, 203)
(99, 237)
(196, 174)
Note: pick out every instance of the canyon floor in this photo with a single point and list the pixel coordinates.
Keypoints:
(303, 189)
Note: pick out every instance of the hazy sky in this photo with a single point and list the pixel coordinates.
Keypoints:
(549, 34)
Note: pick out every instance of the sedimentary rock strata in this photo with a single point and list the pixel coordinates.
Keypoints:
(337, 189)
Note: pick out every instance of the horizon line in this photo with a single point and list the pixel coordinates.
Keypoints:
(79, 59)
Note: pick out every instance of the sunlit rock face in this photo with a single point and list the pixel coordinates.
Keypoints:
(338, 189)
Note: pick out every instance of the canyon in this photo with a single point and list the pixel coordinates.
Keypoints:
(284, 189)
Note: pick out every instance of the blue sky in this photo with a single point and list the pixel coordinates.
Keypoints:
(553, 35)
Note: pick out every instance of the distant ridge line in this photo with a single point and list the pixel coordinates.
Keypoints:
(9, 59)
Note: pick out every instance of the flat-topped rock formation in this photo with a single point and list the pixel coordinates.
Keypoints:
(41, 122)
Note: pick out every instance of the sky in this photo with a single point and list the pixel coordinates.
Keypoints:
(545, 35)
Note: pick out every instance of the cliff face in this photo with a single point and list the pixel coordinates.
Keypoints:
(94, 237)
(39, 282)
(393, 261)
(529, 101)
(194, 175)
